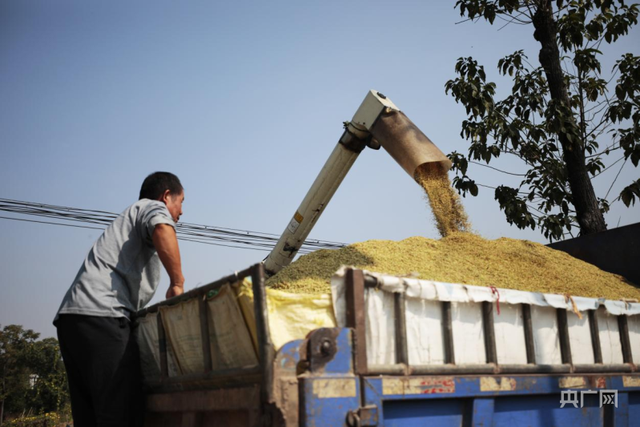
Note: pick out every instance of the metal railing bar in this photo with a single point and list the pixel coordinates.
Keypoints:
(220, 374)
(402, 351)
(595, 336)
(623, 327)
(265, 350)
(207, 361)
(563, 335)
(489, 332)
(355, 282)
(492, 368)
(198, 291)
(162, 343)
(447, 333)
(529, 340)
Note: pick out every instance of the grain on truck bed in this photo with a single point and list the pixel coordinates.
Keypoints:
(459, 258)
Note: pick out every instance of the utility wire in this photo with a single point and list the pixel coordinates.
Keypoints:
(616, 178)
(496, 169)
(206, 234)
(51, 223)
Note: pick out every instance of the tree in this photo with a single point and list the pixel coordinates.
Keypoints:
(48, 390)
(14, 343)
(32, 373)
(557, 115)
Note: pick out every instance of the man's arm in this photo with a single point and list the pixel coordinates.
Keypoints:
(166, 243)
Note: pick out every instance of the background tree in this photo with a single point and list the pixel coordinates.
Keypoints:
(33, 379)
(48, 391)
(14, 343)
(558, 114)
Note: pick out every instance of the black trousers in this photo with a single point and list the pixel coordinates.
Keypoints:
(103, 367)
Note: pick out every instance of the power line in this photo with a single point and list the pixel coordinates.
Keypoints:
(496, 169)
(206, 234)
(50, 223)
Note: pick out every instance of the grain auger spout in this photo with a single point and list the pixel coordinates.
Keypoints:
(377, 123)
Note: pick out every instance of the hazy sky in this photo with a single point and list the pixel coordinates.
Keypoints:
(244, 101)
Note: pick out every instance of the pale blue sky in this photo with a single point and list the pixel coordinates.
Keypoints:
(244, 101)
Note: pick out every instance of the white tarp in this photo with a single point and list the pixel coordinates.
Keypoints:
(468, 335)
(634, 336)
(424, 331)
(380, 329)
(609, 337)
(510, 345)
(580, 339)
(546, 341)
(424, 326)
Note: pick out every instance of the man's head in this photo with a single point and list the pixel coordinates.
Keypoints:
(166, 188)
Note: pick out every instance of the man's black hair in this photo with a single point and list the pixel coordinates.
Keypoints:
(157, 183)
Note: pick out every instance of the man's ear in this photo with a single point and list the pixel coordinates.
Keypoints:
(164, 198)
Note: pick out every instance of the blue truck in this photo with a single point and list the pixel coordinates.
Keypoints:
(326, 379)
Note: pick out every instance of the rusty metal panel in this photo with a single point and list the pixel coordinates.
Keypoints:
(616, 250)
(334, 387)
(265, 345)
(498, 384)
(224, 399)
(203, 419)
(191, 419)
(325, 401)
(285, 384)
(418, 385)
(356, 318)
(157, 419)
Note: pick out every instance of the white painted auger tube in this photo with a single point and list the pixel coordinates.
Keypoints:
(326, 184)
(376, 122)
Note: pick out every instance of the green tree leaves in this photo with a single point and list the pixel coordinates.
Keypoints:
(630, 193)
(555, 127)
(32, 375)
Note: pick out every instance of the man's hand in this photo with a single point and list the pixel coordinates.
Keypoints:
(166, 243)
(174, 291)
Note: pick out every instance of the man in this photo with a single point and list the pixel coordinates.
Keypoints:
(118, 277)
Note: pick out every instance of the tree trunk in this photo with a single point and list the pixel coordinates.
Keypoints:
(584, 199)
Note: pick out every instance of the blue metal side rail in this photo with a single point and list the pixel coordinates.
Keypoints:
(338, 397)
(338, 388)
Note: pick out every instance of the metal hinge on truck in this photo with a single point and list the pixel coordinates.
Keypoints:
(363, 417)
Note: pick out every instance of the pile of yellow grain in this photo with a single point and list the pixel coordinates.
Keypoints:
(445, 203)
(460, 258)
